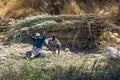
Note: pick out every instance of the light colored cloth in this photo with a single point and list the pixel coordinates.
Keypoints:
(37, 34)
(112, 53)
(35, 52)
(53, 44)
(45, 53)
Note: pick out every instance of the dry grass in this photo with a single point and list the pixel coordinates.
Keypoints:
(72, 8)
(78, 7)
(63, 67)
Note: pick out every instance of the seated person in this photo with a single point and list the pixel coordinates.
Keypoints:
(53, 44)
(37, 43)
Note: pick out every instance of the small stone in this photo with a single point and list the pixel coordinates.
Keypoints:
(67, 50)
(111, 53)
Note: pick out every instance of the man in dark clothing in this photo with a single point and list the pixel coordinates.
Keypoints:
(53, 44)
(37, 43)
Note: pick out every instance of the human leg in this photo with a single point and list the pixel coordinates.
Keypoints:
(34, 52)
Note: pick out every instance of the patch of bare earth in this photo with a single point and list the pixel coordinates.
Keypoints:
(12, 53)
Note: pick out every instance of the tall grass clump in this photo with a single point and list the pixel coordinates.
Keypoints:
(74, 71)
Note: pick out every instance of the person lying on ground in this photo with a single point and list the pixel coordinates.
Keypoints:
(37, 43)
(53, 44)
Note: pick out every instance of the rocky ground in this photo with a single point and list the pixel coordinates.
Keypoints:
(16, 52)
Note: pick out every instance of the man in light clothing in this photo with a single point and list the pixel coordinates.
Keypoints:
(37, 43)
(53, 44)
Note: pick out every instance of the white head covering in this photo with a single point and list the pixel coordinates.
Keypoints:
(37, 34)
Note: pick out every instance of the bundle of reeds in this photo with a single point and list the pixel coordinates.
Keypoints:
(81, 32)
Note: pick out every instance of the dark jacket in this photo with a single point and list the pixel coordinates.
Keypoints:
(38, 42)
